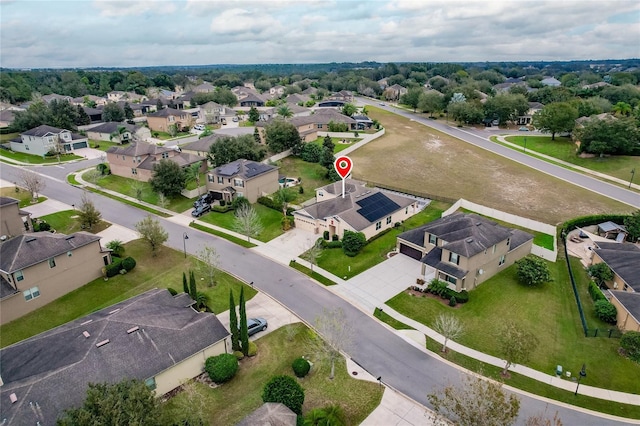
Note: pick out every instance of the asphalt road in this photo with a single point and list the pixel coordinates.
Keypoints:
(374, 347)
(476, 138)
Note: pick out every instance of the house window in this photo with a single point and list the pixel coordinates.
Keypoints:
(151, 383)
(378, 225)
(134, 171)
(238, 182)
(626, 287)
(52, 263)
(406, 210)
(19, 276)
(433, 239)
(450, 279)
(171, 119)
(508, 241)
(502, 259)
(32, 293)
(105, 259)
(165, 155)
(389, 220)
(319, 126)
(220, 179)
(454, 258)
(27, 147)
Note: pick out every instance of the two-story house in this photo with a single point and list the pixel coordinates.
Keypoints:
(307, 127)
(44, 139)
(118, 95)
(362, 209)
(211, 112)
(464, 249)
(161, 121)
(37, 268)
(118, 132)
(136, 161)
(13, 221)
(242, 178)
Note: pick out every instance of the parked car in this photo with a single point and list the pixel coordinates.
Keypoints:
(201, 209)
(198, 127)
(235, 119)
(223, 121)
(203, 199)
(382, 104)
(255, 325)
(523, 129)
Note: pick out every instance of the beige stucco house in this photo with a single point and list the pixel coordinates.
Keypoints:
(153, 337)
(161, 121)
(366, 210)
(37, 268)
(628, 306)
(13, 221)
(242, 178)
(118, 95)
(136, 161)
(624, 261)
(464, 249)
(118, 132)
(43, 139)
(306, 125)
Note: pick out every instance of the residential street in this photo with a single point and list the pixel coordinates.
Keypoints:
(376, 348)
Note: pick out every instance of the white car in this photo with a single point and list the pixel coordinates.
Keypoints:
(198, 127)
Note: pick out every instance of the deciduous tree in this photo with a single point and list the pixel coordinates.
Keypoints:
(151, 230)
(87, 212)
(168, 178)
(313, 254)
(516, 345)
(533, 271)
(112, 112)
(450, 328)
(32, 182)
(632, 223)
(555, 118)
(210, 263)
(600, 272)
(335, 335)
(281, 135)
(247, 221)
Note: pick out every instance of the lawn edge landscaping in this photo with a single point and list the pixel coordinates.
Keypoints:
(131, 203)
(230, 238)
(316, 276)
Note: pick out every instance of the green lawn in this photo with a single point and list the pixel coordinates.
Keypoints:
(66, 222)
(335, 261)
(548, 311)
(243, 243)
(564, 149)
(124, 186)
(126, 201)
(269, 218)
(103, 145)
(7, 137)
(192, 184)
(24, 198)
(338, 145)
(231, 402)
(312, 175)
(313, 274)
(166, 136)
(37, 159)
(162, 271)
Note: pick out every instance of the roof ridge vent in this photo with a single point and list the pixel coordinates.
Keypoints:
(469, 240)
(478, 223)
(100, 344)
(29, 239)
(70, 237)
(86, 334)
(132, 329)
(114, 311)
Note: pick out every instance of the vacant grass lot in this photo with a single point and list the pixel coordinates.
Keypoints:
(335, 261)
(313, 176)
(36, 159)
(124, 186)
(162, 271)
(564, 149)
(231, 402)
(67, 222)
(269, 218)
(24, 197)
(417, 158)
(548, 311)
(103, 145)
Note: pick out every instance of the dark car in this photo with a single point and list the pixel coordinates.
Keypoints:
(256, 324)
(203, 199)
(201, 209)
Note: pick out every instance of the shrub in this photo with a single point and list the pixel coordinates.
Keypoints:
(595, 292)
(253, 349)
(238, 202)
(223, 203)
(301, 367)
(172, 291)
(334, 238)
(238, 354)
(630, 342)
(353, 242)
(325, 235)
(222, 209)
(221, 368)
(286, 390)
(113, 269)
(301, 190)
(41, 226)
(606, 311)
(268, 202)
(462, 297)
(334, 244)
(128, 263)
(437, 287)
(452, 301)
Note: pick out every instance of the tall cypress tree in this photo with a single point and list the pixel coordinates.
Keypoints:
(233, 323)
(244, 333)
(193, 291)
(185, 286)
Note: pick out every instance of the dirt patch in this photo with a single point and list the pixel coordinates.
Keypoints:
(417, 158)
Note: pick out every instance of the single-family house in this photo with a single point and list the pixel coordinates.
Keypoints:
(201, 147)
(7, 117)
(204, 88)
(527, 118)
(154, 337)
(44, 139)
(95, 114)
(597, 85)
(251, 100)
(131, 97)
(277, 91)
(298, 99)
(551, 81)
(118, 132)
(394, 92)
(307, 127)
(242, 178)
(464, 250)
(628, 306)
(362, 121)
(37, 268)
(13, 221)
(161, 121)
(270, 414)
(624, 261)
(362, 209)
(383, 83)
(211, 112)
(136, 160)
(325, 116)
(90, 99)
(55, 97)
(343, 95)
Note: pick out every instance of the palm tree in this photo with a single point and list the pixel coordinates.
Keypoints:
(192, 173)
(284, 111)
(622, 108)
(201, 300)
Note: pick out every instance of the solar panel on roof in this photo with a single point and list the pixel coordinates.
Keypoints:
(376, 206)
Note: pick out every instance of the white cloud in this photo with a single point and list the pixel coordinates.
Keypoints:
(116, 8)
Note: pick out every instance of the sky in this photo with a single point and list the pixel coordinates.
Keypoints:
(108, 33)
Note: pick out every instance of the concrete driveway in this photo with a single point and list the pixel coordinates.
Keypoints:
(288, 246)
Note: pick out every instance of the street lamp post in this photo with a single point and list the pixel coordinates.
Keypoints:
(633, 172)
(185, 237)
(583, 373)
(525, 144)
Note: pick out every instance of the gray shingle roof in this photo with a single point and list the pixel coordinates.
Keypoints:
(624, 260)
(112, 126)
(166, 112)
(245, 169)
(54, 368)
(630, 301)
(202, 145)
(139, 148)
(30, 249)
(434, 259)
(7, 201)
(42, 130)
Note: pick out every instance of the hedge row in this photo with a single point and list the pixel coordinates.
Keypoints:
(595, 292)
(272, 204)
(113, 269)
(595, 219)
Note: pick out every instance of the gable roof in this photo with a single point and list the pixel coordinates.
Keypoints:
(30, 249)
(630, 301)
(245, 169)
(202, 145)
(43, 130)
(624, 261)
(112, 126)
(270, 414)
(6, 201)
(326, 115)
(139, 148)
(146, 335)
(167, 112)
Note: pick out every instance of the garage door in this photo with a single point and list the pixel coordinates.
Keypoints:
(410, 251)
(79, 145)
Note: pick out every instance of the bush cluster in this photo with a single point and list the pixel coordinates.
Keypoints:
(595, 292)
(172, 291)
(440, 288)
(222, 209)
(268, 202)
(353, 242)
(113, 268)
(606, 311)
(331, 244)
(253, 349)
(221, 368)
(41, 226)
(128, 263)
(630, 342)
(285, 390)
(300, 367)
(325, 235)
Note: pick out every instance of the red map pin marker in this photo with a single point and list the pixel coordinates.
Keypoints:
(343, 166)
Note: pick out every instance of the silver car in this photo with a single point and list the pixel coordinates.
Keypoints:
(255, 325)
